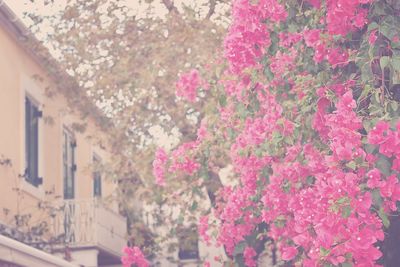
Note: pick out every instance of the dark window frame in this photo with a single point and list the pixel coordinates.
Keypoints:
(188, 243)
(32, 142)
(68, 164)
(97, 179)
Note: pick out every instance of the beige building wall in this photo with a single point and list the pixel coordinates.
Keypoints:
(17, 75)
(19, 72)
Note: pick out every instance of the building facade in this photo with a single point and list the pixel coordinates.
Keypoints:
(54, 200)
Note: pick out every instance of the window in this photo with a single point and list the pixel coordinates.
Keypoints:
(188, 243)
(32, 116)
(96, 177)
(69, 166)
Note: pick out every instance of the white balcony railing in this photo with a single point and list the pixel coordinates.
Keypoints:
(84, 223)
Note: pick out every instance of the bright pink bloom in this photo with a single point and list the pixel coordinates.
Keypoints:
(159, 166)
(288, 253)
(372, 37)
(249, 254)
(248, 34)
(315, 3)
(133, 255)
(203, 228)
(188, 85)
(181, 159)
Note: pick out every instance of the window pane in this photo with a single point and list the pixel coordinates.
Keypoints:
(31, 142)
(68, 166)
(96, 177)
(188, 243)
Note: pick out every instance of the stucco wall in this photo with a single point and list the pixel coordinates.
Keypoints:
(17, 72)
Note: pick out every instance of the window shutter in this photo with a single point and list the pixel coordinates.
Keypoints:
(38, 113)
(38, 181)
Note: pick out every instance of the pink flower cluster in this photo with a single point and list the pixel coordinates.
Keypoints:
(188, 85)
(159, 166)
(249, 253)
(133, 255)
(248, 34)
(300, 152)
(344, 16)
(336, 56)
(179, 160)
(203, 228)
(182, 161)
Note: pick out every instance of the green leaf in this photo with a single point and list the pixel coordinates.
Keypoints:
(394, 105)
(352, 165)
(366, 73)
(384, 165)
(242, 111)
(239, 248)
(324, 252)
(376, 197)
(383, 217)
(396, 63)
(222, 100)
(180, 219)
(384, 61)
(387, 31)
(365, 92)
(342, 200)
(310, 180)
(346, 211)
(194, 206)
(373, 26)
(347, 264)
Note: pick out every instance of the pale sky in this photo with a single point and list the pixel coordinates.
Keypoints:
(20, 6)
(168, 141)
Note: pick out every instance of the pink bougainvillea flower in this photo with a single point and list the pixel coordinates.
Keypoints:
(249, 254)
(288, 253)
(315, 3)
(203, 228)
(188, 85)
(133, 255)
(372, 37)
(159, 166)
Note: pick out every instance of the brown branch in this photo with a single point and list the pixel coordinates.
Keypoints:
(211, 11)
(169, 4)
(213, 184)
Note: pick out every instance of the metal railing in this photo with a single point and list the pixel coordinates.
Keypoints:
(87, 222)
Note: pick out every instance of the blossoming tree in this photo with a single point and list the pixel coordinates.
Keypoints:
(306, 111)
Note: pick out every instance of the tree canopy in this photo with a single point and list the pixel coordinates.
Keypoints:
(307, 115)
(126, 57)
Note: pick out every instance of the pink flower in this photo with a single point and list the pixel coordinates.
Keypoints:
(288, 253)
(181, 160)
(391, 188)
(379, 134)
(337, 56)
(372, 37)
(315, 3)
(188, 84)
(133, 255)
(159, 166)
(203, 228)
(202, 131)
(374, 178)
(248, 35)
(249, 254)
(312, 37)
